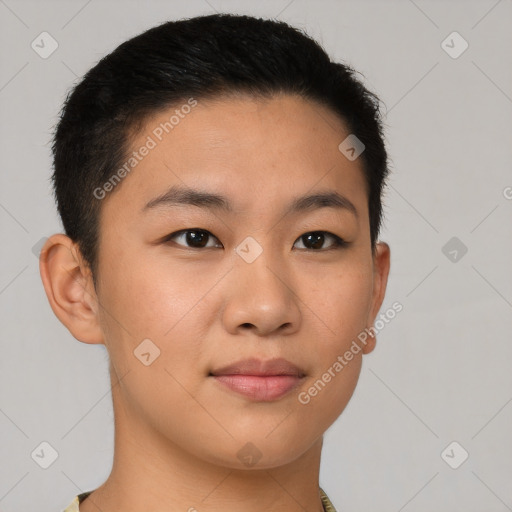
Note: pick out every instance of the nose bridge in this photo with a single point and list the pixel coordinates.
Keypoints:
(261, 294)
(262, 255)
(260, 267)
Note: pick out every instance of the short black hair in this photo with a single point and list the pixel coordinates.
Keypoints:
(201, 57)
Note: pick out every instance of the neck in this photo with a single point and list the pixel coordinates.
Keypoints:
(151, 472)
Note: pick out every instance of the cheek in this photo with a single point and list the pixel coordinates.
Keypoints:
(339, 356)
(328, 391)
(145, 300)
(138, 291)
(343, 302)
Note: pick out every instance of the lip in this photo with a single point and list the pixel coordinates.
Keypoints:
(258, 367)
(261, 381)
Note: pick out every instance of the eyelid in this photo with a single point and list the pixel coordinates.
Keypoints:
(168, 238)
(338, 242)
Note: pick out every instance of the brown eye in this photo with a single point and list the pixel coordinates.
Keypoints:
(192, 238)
(315, 240)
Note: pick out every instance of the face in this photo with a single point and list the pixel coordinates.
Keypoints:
(253, 274)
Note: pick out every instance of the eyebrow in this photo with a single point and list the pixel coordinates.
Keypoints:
(184, 196)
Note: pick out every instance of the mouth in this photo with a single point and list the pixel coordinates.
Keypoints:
(261, 381)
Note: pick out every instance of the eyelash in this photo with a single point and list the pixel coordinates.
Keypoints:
(338, 243)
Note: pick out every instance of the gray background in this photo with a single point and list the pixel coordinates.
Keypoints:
(441, 370)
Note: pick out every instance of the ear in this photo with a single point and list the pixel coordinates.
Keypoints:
(68, 284)
(381, 264)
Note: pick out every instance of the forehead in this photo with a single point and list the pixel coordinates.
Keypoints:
(254, 151)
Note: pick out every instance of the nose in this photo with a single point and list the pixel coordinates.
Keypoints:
(261, 299)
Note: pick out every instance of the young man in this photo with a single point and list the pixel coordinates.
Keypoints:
(219, 180)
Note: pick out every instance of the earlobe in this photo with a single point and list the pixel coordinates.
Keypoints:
(370, 342)
(68, 285)
(381, 266)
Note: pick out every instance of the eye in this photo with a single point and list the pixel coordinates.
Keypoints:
(198, 239)
(194, 238)
(315, 240)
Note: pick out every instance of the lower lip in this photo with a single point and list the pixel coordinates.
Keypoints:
(258, 387)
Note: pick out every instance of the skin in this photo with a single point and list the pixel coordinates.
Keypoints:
(178, 431)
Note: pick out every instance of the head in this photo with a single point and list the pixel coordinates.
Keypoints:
(212, 213)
